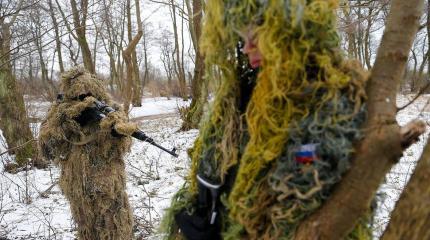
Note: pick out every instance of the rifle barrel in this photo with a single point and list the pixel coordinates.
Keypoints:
(102, 108)
(143, 137)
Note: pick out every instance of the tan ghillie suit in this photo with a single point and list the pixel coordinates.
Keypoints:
(91, 159)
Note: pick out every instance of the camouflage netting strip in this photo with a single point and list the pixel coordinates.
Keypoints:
(91, 159)
(303, 84)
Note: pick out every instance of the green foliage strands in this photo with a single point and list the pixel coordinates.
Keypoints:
(305, 93)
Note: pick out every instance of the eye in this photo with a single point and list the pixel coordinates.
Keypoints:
(83, 96)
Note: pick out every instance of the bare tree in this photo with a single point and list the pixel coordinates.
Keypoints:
(112, 32)
(145, 44)
(79, 21)
(57, 35)
(37, 30)
(359, 20)
(137, 84)
(14, 122)
(167, 52)
(129, 55)
(179, 64)
(74, 52)
(419, 57)
(195, 111)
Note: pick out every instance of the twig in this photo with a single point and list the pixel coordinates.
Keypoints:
(17, 147)
(422, 90)
(44, 194)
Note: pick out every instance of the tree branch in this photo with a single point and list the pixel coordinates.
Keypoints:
(17, 147)
(15, 15)
(422, 90)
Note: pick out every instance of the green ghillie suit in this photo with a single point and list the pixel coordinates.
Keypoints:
(278, 157)
(90, 157)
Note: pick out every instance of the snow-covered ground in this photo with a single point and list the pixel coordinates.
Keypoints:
(157, 106)
(32, 206)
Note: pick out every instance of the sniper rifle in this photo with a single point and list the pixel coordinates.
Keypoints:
(99, 110)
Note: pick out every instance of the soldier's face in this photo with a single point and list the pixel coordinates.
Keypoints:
(250, 47)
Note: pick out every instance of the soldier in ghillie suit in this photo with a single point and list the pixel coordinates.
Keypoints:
(281, 129)
(90, 155)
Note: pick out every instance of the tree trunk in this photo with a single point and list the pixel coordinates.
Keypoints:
(57, 36)
(367, 53)
(127, 54)
(350, 30)
(113, 71)
(137, 84)
(428, 33)
(48, 84)
(14, 122)
(184, 78)
(167, 53)
(73, 56)
(145, 57)
(95, 49)
(179, 68)
(80, 28)
(384, 141)
(360, 34)
(195, 111)
(119, 47)
(414, 76)
(421, 68)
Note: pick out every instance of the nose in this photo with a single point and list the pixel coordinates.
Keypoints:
(249, 46)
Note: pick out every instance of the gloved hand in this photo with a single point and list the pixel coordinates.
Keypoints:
(197, 226)
(118, 122)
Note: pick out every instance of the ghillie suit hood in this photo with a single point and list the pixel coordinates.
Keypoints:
(91, 159)
(306, 96)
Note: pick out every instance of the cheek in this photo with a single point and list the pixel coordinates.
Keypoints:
(255, 55)
(258, 55)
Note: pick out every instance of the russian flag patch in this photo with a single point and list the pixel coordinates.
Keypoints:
(306, 153)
